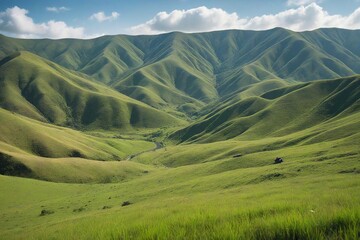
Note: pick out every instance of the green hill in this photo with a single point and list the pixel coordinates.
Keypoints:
(34, 149)
(23, 135)
(280, 112)
(181, 72)
(45, 91)
(78, 116)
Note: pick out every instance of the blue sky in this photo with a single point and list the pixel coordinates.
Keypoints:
(91, 18)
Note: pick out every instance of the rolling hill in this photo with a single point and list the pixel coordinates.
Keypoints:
(45, 91)
(30, 148)
(281, 112)
(181, 72)
(83, 117)
(27, 136)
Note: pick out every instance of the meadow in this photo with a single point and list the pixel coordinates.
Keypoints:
(174, 136)
(313, 194)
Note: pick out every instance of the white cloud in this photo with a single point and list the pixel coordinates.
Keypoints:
(17, 23)
(203, 19)
(101, 17)
(57, 9)
(305, 18)
(192, 20)
(301, 2)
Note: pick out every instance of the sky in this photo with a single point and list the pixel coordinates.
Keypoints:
(93, 18)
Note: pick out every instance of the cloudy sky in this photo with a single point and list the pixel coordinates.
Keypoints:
(92, 18)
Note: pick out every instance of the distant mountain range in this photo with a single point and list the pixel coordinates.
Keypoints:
(181, 73)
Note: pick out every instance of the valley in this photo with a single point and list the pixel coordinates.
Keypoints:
(185, 129)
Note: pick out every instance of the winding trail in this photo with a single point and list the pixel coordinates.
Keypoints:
(158, 145)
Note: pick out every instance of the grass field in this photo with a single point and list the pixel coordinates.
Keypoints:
(312, 195)
(80, 120)
(186, 191)
(303, 207)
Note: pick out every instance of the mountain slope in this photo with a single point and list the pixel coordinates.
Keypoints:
(182, 72)
(45, 91)
(257, 101)
(280, 112)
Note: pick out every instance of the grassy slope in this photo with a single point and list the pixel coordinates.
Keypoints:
(313, 194)
(45, 91)
(209, 193)
(333, 139)
(180, 72)
(252, 90)
(200, 191)
(33, 137)
(60, 154)
(279, 112)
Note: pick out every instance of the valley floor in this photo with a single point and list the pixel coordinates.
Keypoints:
(312, 195)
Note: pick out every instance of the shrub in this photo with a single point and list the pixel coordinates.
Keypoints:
(46, 212)
(126, 203)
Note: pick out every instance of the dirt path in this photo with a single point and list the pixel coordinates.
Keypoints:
(158, 145)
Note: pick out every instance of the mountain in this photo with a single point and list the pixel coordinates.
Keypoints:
(187, 124)
(235, 85)
(282, 111)
(40, 89)
(181, 73)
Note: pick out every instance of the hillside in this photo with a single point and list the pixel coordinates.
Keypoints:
(174, 136)
(204, 192)
(23, 135)
(281, 112)
(34, 149)
(45, 91)
(181, 72)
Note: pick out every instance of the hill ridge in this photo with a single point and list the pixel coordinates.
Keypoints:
(200, 67)
(278, 112)
(45, 91)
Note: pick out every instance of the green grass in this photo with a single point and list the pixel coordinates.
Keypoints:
(200, 191)
(64, 155)
(192, 202)
(123, 93)
(46, 140)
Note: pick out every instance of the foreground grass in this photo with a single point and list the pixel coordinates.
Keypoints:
(200, 191)
(232, 215)
(310, 206)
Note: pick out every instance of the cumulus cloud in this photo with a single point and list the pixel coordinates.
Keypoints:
(303, 18)
(301, 2)
(192, 20)
(203, 19)
(15, 21)
(57, 9)
(101, 17)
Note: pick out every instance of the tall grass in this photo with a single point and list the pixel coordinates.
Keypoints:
(272, 222)
(268, 210)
